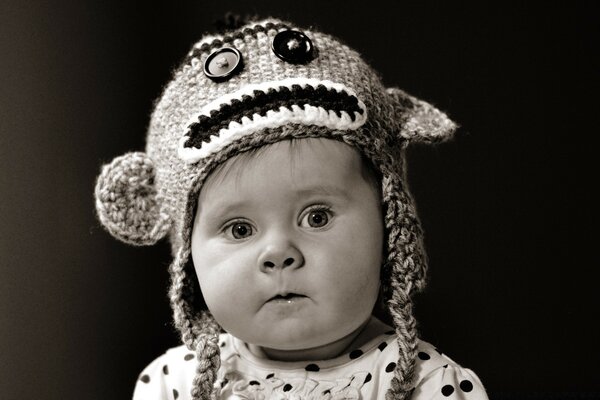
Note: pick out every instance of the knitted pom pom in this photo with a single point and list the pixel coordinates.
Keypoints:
(126, 200)
(422, 122)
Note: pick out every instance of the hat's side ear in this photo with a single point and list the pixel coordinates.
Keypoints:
(420, 121)
(127, 203)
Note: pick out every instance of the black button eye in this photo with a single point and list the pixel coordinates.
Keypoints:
(293, 46)
(223, 63)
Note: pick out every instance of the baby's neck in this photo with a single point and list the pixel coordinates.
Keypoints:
(330, 350)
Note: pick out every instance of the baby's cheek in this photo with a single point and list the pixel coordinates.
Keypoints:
(359, 270)
(349, 288)
(224, 274)
(360, 288)
(364, 289)
(227, 300)
(219, 287)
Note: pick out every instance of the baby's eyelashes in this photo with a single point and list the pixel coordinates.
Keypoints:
(238, 230)
(316, 217)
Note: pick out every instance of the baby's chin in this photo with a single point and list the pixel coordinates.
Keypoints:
(288, 340)
(301, 344)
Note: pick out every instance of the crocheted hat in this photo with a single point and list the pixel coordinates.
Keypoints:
(265, 82)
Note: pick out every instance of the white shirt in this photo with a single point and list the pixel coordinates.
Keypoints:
(363, 373)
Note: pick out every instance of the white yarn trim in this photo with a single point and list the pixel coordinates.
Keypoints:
(307, 115)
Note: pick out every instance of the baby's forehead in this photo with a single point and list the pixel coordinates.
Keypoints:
(326, 157)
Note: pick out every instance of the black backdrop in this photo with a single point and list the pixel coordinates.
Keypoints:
(506, 206)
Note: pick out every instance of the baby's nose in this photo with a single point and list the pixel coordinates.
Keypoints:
(280, 256)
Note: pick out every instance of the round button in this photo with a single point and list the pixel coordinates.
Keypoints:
(293, 46)
(223, 63)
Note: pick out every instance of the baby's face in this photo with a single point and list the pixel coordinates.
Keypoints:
(287, 246)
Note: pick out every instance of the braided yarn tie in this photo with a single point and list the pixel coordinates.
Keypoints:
(407, 269)
(209, 361)
(402, 382)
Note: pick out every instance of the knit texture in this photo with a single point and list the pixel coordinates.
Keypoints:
(198, 124)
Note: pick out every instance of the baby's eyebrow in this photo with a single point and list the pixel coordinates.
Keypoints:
(214, 214)
(317, 190)
(322, 190)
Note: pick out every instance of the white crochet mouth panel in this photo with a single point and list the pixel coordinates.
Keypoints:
(270, 105)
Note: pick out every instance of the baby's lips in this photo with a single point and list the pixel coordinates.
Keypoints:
(285, 293)
(286, 296)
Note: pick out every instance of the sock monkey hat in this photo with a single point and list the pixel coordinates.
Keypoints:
(258, 84)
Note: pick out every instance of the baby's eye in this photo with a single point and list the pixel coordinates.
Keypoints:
(240, 230)
(316, 217)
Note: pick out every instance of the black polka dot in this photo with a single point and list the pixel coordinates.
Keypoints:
(222, 344)
(424, 356)
(270, 376)
(145, 378)
(175, 394)
(327, 391)
(466, 386)
(368, 378)
(312, 367)
(224, 382)
(390, 367)
(447, 390)
(287, 387)
(355, 354)
(165, 369)
(188, 357)
(382, 346)
(446, 366)
(254, 383)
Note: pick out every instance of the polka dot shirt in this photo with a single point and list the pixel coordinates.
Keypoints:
(363, 373)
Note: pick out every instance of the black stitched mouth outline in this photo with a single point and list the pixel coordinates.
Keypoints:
(261, 101)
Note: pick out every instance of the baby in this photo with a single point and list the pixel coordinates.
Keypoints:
(275, 163)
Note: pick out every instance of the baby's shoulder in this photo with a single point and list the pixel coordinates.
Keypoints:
(167, 376)
(437, 376)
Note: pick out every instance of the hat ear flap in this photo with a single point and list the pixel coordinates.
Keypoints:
(420, 121)
(127, 203)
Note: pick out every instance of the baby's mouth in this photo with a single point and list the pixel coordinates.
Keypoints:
(286, 298)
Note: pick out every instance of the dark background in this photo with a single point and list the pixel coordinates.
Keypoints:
(507, 206)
